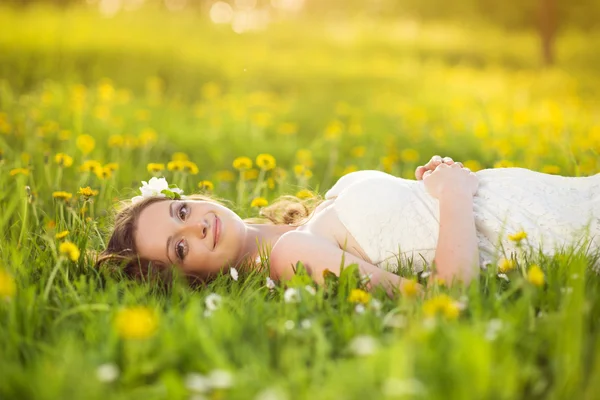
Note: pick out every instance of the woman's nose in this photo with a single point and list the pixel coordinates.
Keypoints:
(199, 228)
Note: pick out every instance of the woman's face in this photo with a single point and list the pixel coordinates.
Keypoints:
(200, 237)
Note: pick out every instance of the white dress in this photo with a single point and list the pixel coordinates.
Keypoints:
(395, 220)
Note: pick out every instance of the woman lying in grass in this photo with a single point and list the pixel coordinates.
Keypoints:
(449, 217)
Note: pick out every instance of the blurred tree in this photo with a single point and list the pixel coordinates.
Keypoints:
(547, 17)
(547, 29)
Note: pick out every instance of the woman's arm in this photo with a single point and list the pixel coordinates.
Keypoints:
(318, 255)
(457, 254)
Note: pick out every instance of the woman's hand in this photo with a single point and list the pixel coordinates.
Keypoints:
(432, 164)
(449, 180)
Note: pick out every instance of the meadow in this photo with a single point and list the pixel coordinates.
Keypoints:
(91, 106)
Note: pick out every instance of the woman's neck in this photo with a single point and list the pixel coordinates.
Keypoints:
(260, 237)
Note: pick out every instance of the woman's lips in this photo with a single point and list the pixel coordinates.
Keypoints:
(216, 231)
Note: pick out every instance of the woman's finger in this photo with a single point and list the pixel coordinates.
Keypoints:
(447, 160)
(427, 173)
(419, 172)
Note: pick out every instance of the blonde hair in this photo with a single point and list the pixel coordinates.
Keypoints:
(121, 252)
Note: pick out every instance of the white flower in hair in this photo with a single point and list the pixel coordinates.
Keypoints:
(157, 187)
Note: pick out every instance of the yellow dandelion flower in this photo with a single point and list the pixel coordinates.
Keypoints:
(442, 305)
(517, 237)
(304, 157)
(5, 127)
(259, 202)
(388, 163)
(130, 142)
(105, 89)
(242, 163)
(506, 265)
(334, 130)
(410, 288)
(147, 136)
(535, 275)
(87, 191)
(261, 119)
(225, 176)
(302, 172)
(551, 169)
(136, 322)
(305, 194)
(251, 174)
(8, 287)
(279, 174)
(116, 141)
(179, 156)
(90, 166)
(64, 160)
(349, 169)
(176, 165)
(70, 250)
(358, 151)
(409, 155)
(113, 166)
(61, 235)
(85, 143)
(473, 165)
(265, 162)
(155, 168)
(17, 171)
(504, 164)
(271, 183)
(61, 195)
(190, 167)
(481, 130)
(451, 310)
(103, 173)
(287, 128)
(206, 185)
(359, 296)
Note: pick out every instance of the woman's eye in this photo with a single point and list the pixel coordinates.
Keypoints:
(180, 249)
(183, 212)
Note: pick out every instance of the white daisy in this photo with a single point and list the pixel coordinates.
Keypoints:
(289, 324)
(107, 372)
(394, 387)
(363, 345)
(310, 289)
(291, 295)
(213, 301)
(195, 382)
(234, 273)
(305, 324)
(270, 283)
(220, 379)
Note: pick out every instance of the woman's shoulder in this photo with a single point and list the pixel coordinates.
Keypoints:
(354, 177)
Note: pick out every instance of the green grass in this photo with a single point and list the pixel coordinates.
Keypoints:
(215, 95)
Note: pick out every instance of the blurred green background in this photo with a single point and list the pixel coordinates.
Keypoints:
(327, 88)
